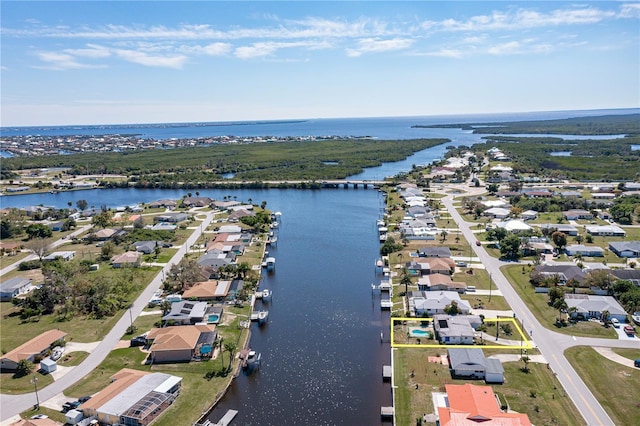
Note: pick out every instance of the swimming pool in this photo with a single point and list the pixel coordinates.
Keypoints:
(213, 318)
(416, 332)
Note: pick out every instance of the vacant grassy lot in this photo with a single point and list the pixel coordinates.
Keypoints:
(537, 393)
(537, 303)
(618, 390)
(14, 386)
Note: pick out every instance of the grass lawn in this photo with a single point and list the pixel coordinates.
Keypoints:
(618, 390)
(497, 303)
(632, 354)
(549, 406)
(53, 414)
(11, 386)
(71, 359)
(537, 303)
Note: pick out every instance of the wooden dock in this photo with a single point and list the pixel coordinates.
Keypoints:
(386, 373)
(386, 304)
(227, 418)
(386, 412)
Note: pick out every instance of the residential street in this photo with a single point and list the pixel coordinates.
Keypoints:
(12, 405)
(551, 344)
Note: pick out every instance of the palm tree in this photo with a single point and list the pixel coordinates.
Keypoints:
(605, 317)
(231, 348)
(526, 360)
(405, 280)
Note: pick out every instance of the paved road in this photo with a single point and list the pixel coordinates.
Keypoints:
(10, 405)
(551, 344)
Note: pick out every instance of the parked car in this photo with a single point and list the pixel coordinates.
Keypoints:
(71, 405)
(637, 363)
(615, 323)
(84, 399)
(138, 341)
(629, 330)
(39, 416)
(478, 243)
(56, 353)
(461, 264)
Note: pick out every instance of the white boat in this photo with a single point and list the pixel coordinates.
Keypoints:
(271, 263)
(266, 294)
(262, 317)
(250, 359)
(636, 317)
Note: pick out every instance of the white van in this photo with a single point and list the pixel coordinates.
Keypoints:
(471, 288)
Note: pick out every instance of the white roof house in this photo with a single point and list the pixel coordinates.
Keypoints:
(605, 230)
(497, 212)
(514, 225)
(592, 306)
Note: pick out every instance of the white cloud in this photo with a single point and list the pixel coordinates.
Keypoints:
(211, 49)
(263, 49)
(374, 45)
(142, 58)
(509, 48)
(61, 61)
(92, 51)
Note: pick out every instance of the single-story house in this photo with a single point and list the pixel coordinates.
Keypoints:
(105, 234)
(208, 290)
(62, 255)
(497, 212)
(606, 230)
(564, 273)
(455, 330)
(133, 398)
(471, 362)
(216, 259)
(56, 226)
(186, 312)
(529, 215)
(514, 225)
(569, 230)
(470, 404)
(625, 248)
(631, 275)
(592, 251)
(14, 287)
(147, 247)
(38, 346)
(168, 204)
(171, 217)
(434, 302)
(591, 306)
(10, 248)
(576, 214)
(130, 258)
(440, 282)
(230, 229)
(181, 344)
(196, 201)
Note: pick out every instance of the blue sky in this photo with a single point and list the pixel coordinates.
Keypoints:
(142, 62)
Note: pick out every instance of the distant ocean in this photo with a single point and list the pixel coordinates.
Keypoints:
(378, 128)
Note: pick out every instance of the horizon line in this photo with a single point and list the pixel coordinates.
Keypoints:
(296, 120)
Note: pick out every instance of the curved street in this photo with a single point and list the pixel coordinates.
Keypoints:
(11, 405)
(551, 344)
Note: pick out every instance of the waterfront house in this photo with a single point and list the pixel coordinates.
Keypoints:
(440, 282)
(470, 404)
(14, 287)
(186, 312)
(130, 258)
(208, 290)
(181, 344)
(625, 248)
(196, 201)
(430, 303)
(471, 363)
(216, 259)
(590, 306)
(133, 397)
(168, 204)
(37, 347)
(455, 330)
(433, 251)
